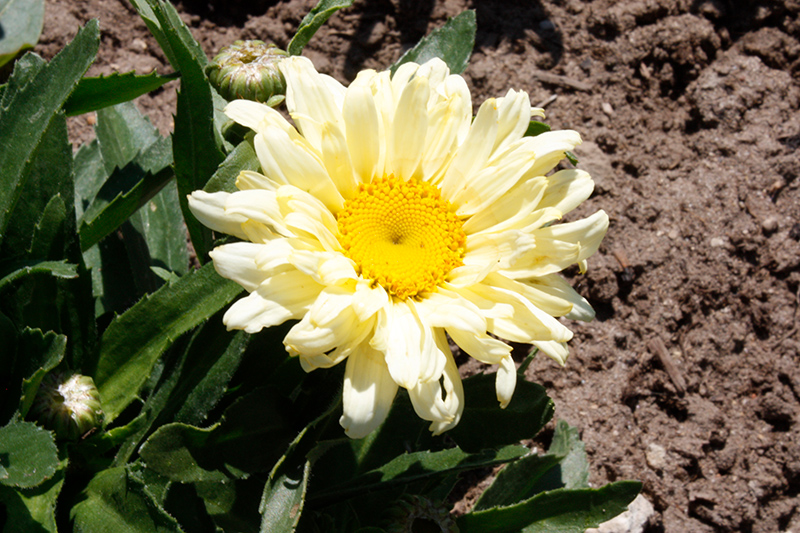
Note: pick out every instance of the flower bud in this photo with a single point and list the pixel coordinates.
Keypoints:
(249, 70)
(69, 404)
(416, 513)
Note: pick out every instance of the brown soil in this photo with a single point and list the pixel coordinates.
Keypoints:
(690, 113)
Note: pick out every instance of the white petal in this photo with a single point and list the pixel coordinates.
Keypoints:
(282, 297)
(558, 291)
(312, 98)
(336, 158)
(237, 262)
(482, 347)
(368, 392)
(587, 232)
(398, 335)
(367, 301)
(253, 115)
(514, 115)
(557, 351)
(362, 127)
(473, 154)
(506, 381)
(454, 395)
(550, 148)
(567, 189)
(209, 209)
(509, 209)
(410, 128)
(248, 180)
(259, 206)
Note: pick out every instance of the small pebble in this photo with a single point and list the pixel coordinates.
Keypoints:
(634, 520)
(769, 225)
(716, 242)
(607, 109)
(656, 456)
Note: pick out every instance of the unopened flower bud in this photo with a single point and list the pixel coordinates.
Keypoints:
(416, 513)
(69, 404)
(249, 70)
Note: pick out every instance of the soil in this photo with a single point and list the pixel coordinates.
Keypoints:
(688, 380)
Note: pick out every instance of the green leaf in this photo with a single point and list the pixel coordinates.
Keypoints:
(243, 157)
(284, 496)
(47, 175)
(134, 341)
(92, 94)
(412, 467)
(561, 510)
(535, 128)
(574, 465)
(127, 190)
(27, 108)
(115, 501)
(160, 222)
(452, 43)
(249, 439)
(38, 354)
(20, 269)
(126, 135)
(485, 425)
(313, 21)
(197, 143)
(33, 509)
(516, 481)
(28, 455)
(21, 23)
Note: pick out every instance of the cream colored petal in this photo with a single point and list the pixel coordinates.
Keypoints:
(410, 129)
(473, 154)
(482, 347)
(446, 309)
(560, 292)
(587, 232)
(362, 128)
(556, 351)
(428, 403)
(500, 250)
(398, 336)
(257, 205)
(273, 256)
(509, 209)
(465, 276)
(488, 308)
(368, 392)
(237, 262)
(527, 324)
(313, 99)
(444, 123)
(209, 209)
(329, 322)
(367, 300)
(549, 256)
(285, 296)
(550, 148)
(514, 115)
(541, 292)
(327, 268)
(336, 158)
(285, 161)
(506, 381)
(486, 186)
(248, 180)
(303, 213)
(432, 360)
(567, 189)
(435, 70)
(251, 114)
(453, 389)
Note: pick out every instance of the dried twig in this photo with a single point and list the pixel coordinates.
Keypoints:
(656, 345)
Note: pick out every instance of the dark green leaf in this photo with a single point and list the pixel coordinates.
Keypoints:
(134, 341)
(313, 21)
(28, 455)
(127, 190)
(485, 425)
(161, 224)
(92, 94)
(284, 496)
(18, 270)
(572, 158)
(33, 509)
(452, 43)
(115, 500)
(535, 128)
(516, 481)
(197, 143)
(27, 109)
(38, 354)
(124, 133)
(47, 175)
(249, 439)
(561, 510)
(411, 467)
(21, 23)
(243, 157)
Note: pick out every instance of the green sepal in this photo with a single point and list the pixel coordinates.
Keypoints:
(452, 43)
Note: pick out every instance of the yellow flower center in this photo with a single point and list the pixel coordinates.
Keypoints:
(402, 235)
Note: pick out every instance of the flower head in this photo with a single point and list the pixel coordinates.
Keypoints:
(387, 219)
(249, 70)
(69, 404)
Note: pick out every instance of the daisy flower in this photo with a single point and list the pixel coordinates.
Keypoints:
(387, 219)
